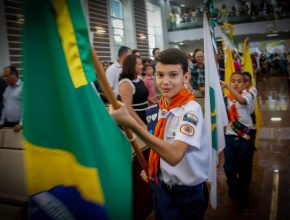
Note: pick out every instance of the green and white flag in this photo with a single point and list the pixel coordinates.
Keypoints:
(215, 111)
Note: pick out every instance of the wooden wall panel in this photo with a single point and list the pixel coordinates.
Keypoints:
(140, 16)
(98, 18)
(14, 23)
(98, 11)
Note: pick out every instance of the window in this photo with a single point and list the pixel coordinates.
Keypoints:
(154, 24)
(151, 28)
(117, 24)
(116, 9)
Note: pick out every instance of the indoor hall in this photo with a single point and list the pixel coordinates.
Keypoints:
(148, 24)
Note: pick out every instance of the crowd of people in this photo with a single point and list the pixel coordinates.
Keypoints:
(274, 64)
(174, 83)
(226, 12)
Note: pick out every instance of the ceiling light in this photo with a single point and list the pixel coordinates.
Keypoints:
(276, 119)
(182, 5)
(142, 36)
(100, 30)
(181, 43)
(276, 171)
(272, 35)
(20, 19)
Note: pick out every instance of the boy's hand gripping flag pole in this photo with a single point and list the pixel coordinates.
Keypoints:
(112, 99)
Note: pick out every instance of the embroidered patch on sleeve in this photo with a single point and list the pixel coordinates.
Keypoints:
(191, 118)
(187, 130)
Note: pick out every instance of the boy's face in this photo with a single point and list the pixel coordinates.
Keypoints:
(247, 82)
(170, 79)
(237, 82)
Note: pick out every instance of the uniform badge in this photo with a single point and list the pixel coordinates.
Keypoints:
(187, 130)
(191, 118)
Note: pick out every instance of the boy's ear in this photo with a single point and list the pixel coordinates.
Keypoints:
(186, 77)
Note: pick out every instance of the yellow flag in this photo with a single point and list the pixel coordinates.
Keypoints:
(247, 61)
(229, 66)
(247, 67)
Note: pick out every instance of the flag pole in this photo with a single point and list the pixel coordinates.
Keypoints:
(112, 99)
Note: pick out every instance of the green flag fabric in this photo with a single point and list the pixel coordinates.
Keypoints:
(69, 137)
(215, 111)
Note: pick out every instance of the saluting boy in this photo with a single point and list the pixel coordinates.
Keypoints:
(179, 157)
(239, 149)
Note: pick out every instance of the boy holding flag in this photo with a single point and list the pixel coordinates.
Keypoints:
(179, 158)
(239, 148)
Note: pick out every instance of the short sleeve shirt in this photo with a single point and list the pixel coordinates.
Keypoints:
(113, 74)
(12, 103)
(244, 112)
(186, 124)
(253, 92)
(197, 76)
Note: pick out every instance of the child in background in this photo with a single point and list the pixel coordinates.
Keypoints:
(149, 83)
(239, 149)
(253, 91)
(179, 158)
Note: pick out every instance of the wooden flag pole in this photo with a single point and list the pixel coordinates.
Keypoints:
(112, 99)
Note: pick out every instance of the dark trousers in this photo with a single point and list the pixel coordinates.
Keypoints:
(238, 155)
(179, 202)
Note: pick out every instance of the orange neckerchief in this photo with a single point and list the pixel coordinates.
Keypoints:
(233, 112)
(178, 100)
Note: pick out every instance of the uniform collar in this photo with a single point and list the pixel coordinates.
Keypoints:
(164, 113)
(176, 111)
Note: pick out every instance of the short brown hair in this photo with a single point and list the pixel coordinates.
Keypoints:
(174, 56)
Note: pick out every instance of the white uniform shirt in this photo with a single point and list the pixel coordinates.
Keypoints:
(244, 112)
(186, 124)
(113, 74)
(253, 92)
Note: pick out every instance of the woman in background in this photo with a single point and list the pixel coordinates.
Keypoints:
(132, 90)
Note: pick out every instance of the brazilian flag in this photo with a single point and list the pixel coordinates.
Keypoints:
(77, 161)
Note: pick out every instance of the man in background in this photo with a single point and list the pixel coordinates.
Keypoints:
(197, 77)
(113, 72)
(11, 112)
